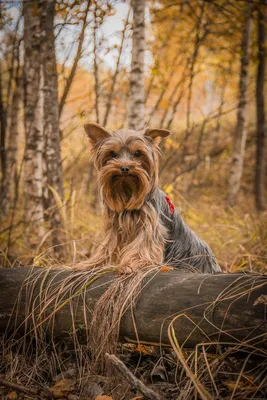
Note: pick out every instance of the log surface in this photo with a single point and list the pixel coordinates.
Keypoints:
(222, 305)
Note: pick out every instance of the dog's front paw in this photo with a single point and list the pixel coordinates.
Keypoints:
(126, 269)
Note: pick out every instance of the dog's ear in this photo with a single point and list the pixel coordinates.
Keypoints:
(95, 132)
(156, 134)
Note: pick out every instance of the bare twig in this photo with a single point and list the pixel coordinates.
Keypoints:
(212, 154)
(134, 382)
(41, 394)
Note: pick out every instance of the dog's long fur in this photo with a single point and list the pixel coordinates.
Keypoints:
(141, 228)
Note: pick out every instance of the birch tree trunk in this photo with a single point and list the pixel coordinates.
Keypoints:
(52, 155)
(2, 128)
(12, 150)
(236, 168)
(261, 128)
(43, 169)
(33, 120)
(137, 80)
(96, 62)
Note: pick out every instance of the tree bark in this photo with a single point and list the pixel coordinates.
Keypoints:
(261, 128)
(12, 150)
(33, 119)
(43, 165)
(236, 168)
(52, 154)
(2, 129)
(136, 112)
(227, 307)
(96, 66)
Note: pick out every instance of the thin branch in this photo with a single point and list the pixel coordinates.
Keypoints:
(165, 87)
(198, 39)
(174, 91)
(42, 393)
(3, 126)
(174, 153)
(114, 78)
(215, 152)
(174, 108)
(75, 62)
(96, 67)
(134, 382)
(156, 66)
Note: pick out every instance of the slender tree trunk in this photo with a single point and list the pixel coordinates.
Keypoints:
(43, 169)
(201, 26)
(236, 169)
(137, 95)
(33, 119)
(2, 129)
(51, 156)
(75, 61)
(96, 73)
(261, 128)
(116, 72)
(12, 150)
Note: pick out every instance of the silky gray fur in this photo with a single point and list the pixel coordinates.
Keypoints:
(184, 249)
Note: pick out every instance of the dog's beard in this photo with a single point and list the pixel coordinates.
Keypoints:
(124, 192)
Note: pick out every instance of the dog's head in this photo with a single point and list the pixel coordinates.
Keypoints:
(127, 162)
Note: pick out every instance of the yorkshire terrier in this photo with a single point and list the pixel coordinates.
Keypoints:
(142, 226)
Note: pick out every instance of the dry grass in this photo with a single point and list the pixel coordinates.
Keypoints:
(238, 237)
(230, 369)
(223, 369)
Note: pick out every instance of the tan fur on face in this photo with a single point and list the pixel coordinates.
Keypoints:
(126, 192)
(134, 236)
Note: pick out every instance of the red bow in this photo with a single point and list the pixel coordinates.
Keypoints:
(170, 204)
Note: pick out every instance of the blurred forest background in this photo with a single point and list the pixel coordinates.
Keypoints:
(196, 67)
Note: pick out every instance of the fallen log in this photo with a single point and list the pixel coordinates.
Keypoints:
(225, 307)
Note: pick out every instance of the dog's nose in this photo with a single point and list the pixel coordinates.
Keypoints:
(125, 170)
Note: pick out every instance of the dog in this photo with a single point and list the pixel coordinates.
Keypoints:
(141, 225)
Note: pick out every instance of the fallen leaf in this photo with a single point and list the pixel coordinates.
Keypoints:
(103, 397)
(137, 398)
(166, 269)
(12, 396)
(62, 388)
(143, 349)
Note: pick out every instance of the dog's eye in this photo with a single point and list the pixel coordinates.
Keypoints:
(137, 153)
(113, 154)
